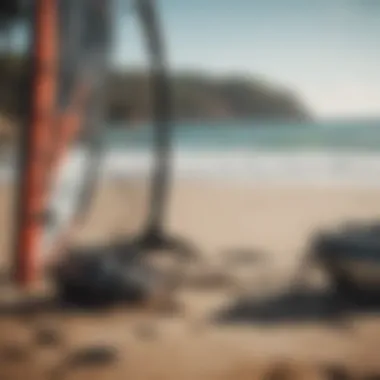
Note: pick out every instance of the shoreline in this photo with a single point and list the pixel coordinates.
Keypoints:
(259, 168)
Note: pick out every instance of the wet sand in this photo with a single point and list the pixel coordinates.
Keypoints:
(182, 344)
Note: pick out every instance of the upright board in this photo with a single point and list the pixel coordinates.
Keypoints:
(60, 144)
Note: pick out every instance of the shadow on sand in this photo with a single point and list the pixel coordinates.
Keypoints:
(296, 306)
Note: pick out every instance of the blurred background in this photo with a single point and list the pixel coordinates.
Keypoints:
(276, 135)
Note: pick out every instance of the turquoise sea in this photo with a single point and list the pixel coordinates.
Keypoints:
(324, 152)
(335, 152)
(339, 135)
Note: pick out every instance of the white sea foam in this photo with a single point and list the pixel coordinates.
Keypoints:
(352, 168)
(261, 167)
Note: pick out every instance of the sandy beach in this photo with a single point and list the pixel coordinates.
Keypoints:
(218, 218)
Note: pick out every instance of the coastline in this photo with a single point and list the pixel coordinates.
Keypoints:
(303, 168)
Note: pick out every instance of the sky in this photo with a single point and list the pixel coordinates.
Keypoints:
(326, 51)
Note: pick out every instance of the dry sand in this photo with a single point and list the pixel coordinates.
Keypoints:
(180, 345)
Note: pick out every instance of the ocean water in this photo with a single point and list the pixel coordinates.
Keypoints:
(258, 136)
(344, 152)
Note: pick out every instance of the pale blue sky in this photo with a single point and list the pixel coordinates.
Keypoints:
(328, 51)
